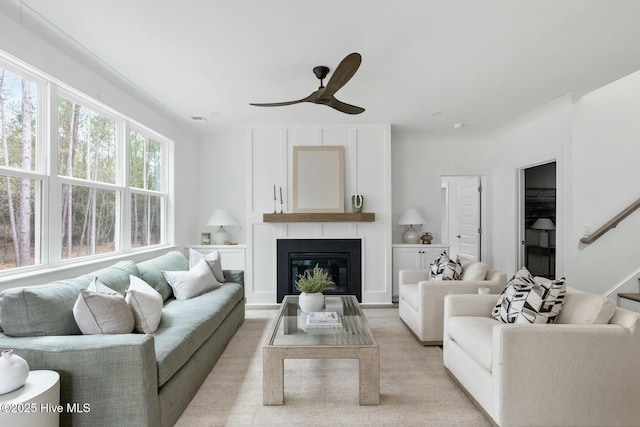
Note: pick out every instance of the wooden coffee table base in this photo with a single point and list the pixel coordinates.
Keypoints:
(273, 369)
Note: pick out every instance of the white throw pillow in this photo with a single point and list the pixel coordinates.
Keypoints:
(213, 259)
(99, 287)
(101, 310)
(188, 284)
(474, 271)
(146, 305)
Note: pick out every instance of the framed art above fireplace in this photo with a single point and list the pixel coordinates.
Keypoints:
(318, 179)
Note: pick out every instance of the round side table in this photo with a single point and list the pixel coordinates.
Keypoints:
(36, 403)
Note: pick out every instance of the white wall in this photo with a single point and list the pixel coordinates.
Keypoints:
(222, 164)
(367, 171)
(595, 141)
(540, 137)
(607, 179)
(419, 161)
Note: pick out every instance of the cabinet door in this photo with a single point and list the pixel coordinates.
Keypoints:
(232, 259)
(404, 259)
(428, 255)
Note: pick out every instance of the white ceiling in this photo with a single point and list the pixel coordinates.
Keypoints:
(427, 64)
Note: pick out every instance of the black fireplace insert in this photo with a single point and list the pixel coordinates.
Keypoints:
(341, 258)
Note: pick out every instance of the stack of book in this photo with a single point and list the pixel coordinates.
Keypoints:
(323, 319)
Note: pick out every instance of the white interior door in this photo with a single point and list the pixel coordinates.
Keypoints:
(468, 220)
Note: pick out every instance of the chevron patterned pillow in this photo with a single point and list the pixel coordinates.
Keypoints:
(528, 299)
(444, 268)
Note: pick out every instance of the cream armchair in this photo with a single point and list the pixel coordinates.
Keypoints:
(421, 302)
(582, 371)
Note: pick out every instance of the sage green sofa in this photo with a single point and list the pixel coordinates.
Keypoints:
(127, 379)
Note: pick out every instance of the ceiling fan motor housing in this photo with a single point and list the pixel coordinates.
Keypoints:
(321, 71)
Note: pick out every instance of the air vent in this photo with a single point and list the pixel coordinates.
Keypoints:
(198, 118)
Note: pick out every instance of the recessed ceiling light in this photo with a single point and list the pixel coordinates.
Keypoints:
(436, 114)
(458, 125)
(198, 118)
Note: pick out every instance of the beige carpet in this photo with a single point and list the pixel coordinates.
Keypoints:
(415, 390)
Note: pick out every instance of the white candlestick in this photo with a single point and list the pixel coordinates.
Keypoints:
(274, 191)
(280, 195)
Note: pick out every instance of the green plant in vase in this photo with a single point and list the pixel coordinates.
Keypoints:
(311, 285)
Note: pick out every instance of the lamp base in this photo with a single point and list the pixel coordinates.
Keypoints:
(221, 237)
(411, 235)
(544, 239)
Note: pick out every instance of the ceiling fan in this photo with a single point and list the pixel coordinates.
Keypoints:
(324, 95)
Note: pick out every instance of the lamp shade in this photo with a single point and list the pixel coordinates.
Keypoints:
(543, 224)
(410, 217)
(221, 217)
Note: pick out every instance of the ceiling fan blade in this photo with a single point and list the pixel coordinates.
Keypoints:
(343, 73)
(344, 107)
(310, 98)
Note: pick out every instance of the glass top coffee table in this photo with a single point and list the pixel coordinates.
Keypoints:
(291, 338)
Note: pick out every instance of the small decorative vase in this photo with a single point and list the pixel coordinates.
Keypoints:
(311, 302)
(426, 238)
(357, 201)
(14, 371)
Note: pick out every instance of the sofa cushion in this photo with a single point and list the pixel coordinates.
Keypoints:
(48, 309)
(526, 299)
(187, 324)
(151, 271)
(586, 308)
(146, 305)
(474, 271)
(444, 268)
(100, 310)
(189, 284)
(213, 259)
(475, 336)
(116, 277)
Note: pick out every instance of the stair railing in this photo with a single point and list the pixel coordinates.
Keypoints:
(611, 224)
(627, 284)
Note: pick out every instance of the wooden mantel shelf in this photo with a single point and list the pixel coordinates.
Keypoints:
(320, 217)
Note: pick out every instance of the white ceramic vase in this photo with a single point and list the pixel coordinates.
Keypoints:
(311, 302)
(14, 371)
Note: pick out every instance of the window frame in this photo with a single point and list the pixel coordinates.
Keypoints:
(48, 203)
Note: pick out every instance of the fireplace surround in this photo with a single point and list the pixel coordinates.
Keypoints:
(341, 258)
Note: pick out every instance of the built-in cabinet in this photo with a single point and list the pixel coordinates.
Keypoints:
(413, 257)
(232, 257)
(367, 171)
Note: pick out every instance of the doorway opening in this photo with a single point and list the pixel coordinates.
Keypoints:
(539, 219)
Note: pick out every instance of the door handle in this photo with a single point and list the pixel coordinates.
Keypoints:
(458, 236)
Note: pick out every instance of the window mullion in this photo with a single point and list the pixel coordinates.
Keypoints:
(53, 212)
(124, 163)
(87, 183)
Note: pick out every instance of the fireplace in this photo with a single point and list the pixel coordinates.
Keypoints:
(341, 258)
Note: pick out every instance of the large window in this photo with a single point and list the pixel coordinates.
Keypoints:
(98, 186)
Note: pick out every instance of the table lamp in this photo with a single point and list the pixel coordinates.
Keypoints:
(543, 224)
(411, 217)
(220, 218)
